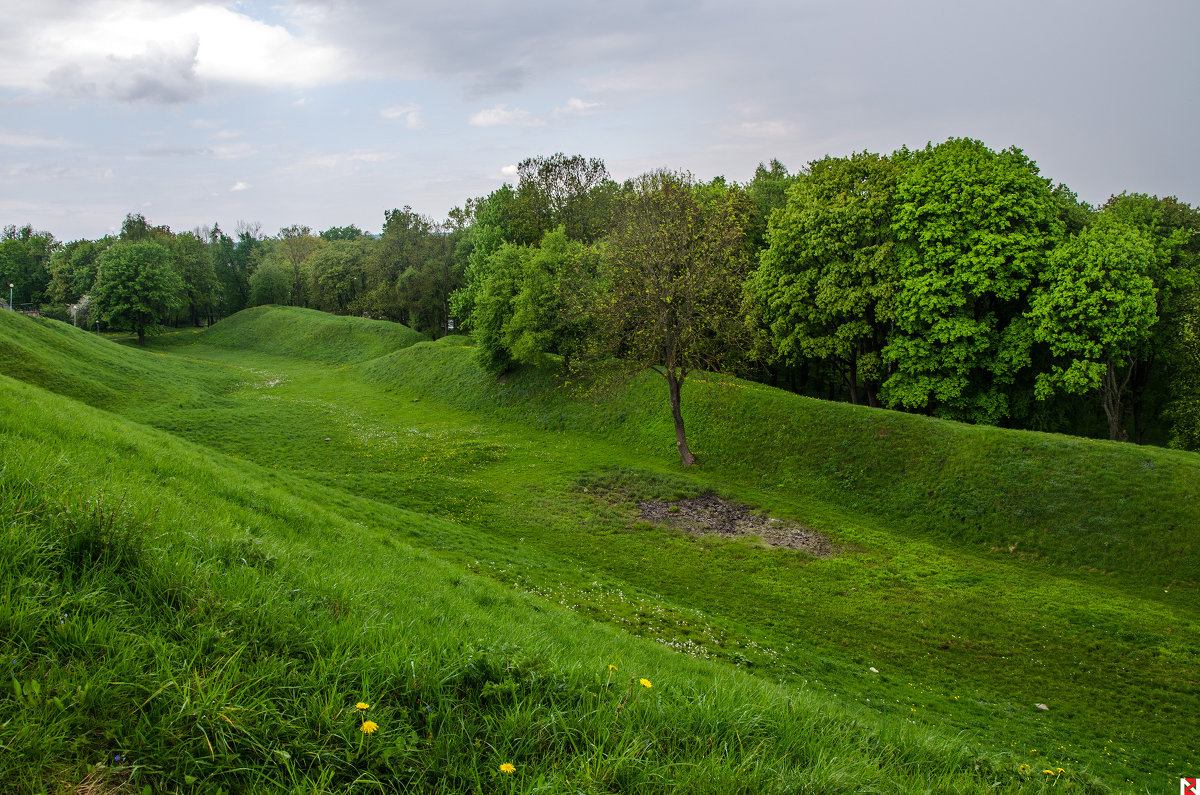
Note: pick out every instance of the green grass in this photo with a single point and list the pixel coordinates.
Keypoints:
(206, 567)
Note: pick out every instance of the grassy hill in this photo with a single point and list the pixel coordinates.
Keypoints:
(207, 565)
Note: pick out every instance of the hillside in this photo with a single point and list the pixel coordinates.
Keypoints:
(260, 540)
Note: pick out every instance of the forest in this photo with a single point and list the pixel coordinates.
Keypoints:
(953, 281)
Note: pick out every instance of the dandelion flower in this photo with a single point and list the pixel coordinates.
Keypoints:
(368, 727)
(612, 667)
(508, 768)
(362, 705)
(1048, 772)
(645, 683)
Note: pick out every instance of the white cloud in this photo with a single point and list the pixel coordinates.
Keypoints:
(576, 107)
(509, 171)
(410, 113)
(503, 116)
(131, 50)
(398, 111)
(239, 185)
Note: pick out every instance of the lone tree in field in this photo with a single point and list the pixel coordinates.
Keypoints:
(675, 263)
(136, 287)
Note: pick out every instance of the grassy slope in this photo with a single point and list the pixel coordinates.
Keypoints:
(494, 480)
(1077, 502)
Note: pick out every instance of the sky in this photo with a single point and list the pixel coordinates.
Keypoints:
(331, 113)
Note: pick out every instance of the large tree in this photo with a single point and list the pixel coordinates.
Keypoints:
(1095, 309)
(674, 267)
(297, 244)
(136, 287)
(973, 228)
(1174, 228)
(25, 262)
(826, 281)
(192, 259)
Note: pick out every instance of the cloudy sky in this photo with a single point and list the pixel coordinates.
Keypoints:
(329, 113)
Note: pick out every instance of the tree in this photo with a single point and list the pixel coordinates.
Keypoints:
(973, 228)
(193, 261)
(337, 273)
(271, 282)
(674, 268)
(1095, 309)
(769, 190)
(298, 243)
(573, 191)
(1174, 228)
(25, 262)
(136, 287)
(826, 282)
(73, 269)
(552, 313)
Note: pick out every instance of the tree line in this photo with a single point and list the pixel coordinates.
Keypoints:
(952, 280)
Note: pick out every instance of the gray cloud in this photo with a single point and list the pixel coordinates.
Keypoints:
(157, 76)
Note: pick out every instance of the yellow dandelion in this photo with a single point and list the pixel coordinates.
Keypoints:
(645, 683)
(368, 727)
(362, 705)
(612, 667)
(508, 768)
(1048, 772)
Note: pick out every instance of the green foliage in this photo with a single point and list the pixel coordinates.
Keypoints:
(973, 228)
(1095, 310)
(768, 189)
(826, 281)
(136, 287)
(25, 257)
(192, 260)
(673, 270)
(271, 282)
(337, 273)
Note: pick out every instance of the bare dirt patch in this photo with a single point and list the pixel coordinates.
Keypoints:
(709, 514)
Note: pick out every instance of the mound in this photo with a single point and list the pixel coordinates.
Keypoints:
(309, 334)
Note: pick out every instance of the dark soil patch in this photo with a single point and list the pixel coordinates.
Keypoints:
(709, 514)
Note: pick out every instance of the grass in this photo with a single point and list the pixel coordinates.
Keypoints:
(210, 563)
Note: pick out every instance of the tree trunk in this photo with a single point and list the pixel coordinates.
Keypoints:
(142, 337)
(675, 386)
(1111, 387)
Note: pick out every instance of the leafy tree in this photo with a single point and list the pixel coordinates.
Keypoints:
(25, 262)
(297, 244)
(973, 228)
(136, 228)
(769, 190)
(1183, 410)
(552, 311)
(482, 238)
(574, 192)
(497, 288)
(1174, 228)
(533, 301)
(411, 273)
(350, 232)
(73, 269)
(136, 287)
(192, 260)
(337, 273)
(271, 282)
(1095, 309)
(674, 267)
(826, 282)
